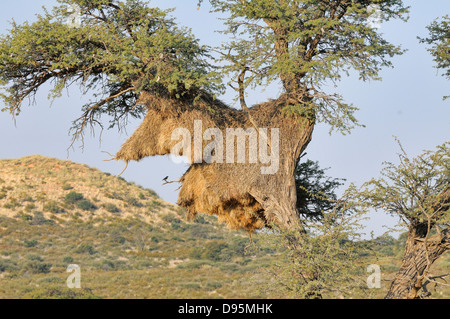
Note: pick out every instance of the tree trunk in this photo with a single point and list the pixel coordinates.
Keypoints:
(420, 254)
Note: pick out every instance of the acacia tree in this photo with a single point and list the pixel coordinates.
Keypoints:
(418, 191)
(135, 60)
(323, 260)
(439, 38)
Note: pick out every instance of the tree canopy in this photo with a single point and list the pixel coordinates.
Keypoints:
(306, 45)
(118, 50)
(121, 48)
(439, 39)
(418, 191)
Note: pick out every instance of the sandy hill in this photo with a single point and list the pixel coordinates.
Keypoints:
(63, 189)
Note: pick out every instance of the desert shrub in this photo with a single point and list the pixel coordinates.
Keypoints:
(200, 231)
(151, 193)
(8, 265)
(12, 204)
(73, 197)
(191, 285)
(30, 243)
(213, 285)
(86, 205)
(60, 293)
(156, 239)
(66, 187)
(39, 219)
(116, 237)
(107, 265)
(110, 207)
(26, 198)
(85, 249)
(213, 251)
(133, 202)
(50, 280)
(68, 260)
(238, 245)
(229, 267)
(194, 264)
(387, 251)
(30, 207)
(37, 267)
(196, 253)
(53, 207)
(35, 257)
(200, 219)
(25, 217)
(2, 195)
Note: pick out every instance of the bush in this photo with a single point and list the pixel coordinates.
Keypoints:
(110, 207)
(2, 195)
(213, 285)
(213, 251)
(30, 207)
(133, 202)
(7, 265)
(60, 293)
(52, 207)
(191, 285)
(37, 267)
(66, 187)
(68, 260)
(30, 243)
(86, 205)
(85, 248)
(35, 257)
(39, 219)
(73, 197)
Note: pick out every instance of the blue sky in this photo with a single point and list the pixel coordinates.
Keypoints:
(407, 104)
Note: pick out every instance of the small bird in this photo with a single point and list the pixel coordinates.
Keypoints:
(165, 179)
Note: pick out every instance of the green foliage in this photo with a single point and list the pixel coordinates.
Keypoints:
(110, 207)
(307, 44)
(68, 260)
(214, 251)
(416, 189)
(53, 207)
(439, 39)
(8, 265)
(133, 202)
(39, 219)
(86, 205)
(73, 197)
(319, 260)
(85, 249)
(60, 293)
(119, 49)
(66, 187)
(316, 192)
(38, 267)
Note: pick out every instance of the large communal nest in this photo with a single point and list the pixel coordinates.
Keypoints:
(238, 193)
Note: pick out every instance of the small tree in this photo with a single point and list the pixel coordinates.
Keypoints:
(136, 60)
(321, 261)
(418, 191)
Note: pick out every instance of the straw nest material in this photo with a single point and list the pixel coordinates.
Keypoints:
(238, 193)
